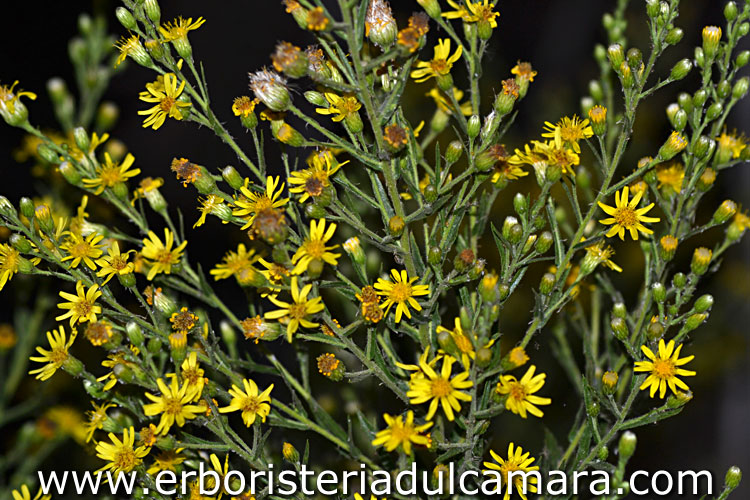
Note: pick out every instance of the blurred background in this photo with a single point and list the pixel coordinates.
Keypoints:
(557, 36)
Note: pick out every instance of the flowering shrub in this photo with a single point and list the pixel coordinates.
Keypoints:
(361, 234)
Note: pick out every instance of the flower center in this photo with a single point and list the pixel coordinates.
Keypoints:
(251, 404)
(119, 262)
(626, 217)
(517, 391)
(440, 66)
(172, 406)
(298, 311)
(83, 308)
(80, 250)
(400, 292)
(664, 368)
(401, 432)
(58, 355)
(313, 186)
(441, 387)
(125, 459)
(164, 257)
(166, 104)
(315, 248)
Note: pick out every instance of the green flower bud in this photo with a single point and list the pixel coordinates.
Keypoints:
(520, 204)
(652, 8)
(619, 310)
(547, 283)
(730, 11)
(742, 59)
(315, 211)
(704, 303)
(316, 98)
(453, 152)
(396, 225)
(609, 382)
(694, 321)
(474, 126)
(674, 36)
(135, 334)
(434, 256)
(714, 111)
(484, 357)
(699, 98)
(733, 477)
(672, 146)
(627, 444)
(503, 291)
(681, 69)
(685, 101)
(700, 57)
(616, 56)
(544, 242)
(600, 53)
(743, 29)
(635, 58)
(431, 7)
(26, 206)
(679, 280)
(152, 10)
(512, 230)
(740, 88)
(477, 269)
(70, 173)
(126, 18)
(430, 193)
(596, 91)
(619, 328)
(20, 243)
(659, 292)
(232, 177)
(592, 409)
(655, 330)
(724, 89)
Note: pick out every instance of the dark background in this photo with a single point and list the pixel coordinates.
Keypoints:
(556, 35)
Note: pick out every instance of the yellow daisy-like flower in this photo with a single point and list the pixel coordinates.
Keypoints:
(730, 146)
(402, 433)
(192, 374)
(444, 104)
(179, 28)
(114, 263)
(312, 181)
(439, 388)
(250, 203)
(524, 71)
(173, 405)
(111, 173)
(556, 152)
(211, 204)
(671, 176)
(96, 418)
(340, 106)
(82, 249)
(596, 254)
(167, 460)
(250, 402)
(82, 306)
(56, 356)
(401, 291)
(625, 216)
(520, 393)
(441, 63)
(464, 343)
(165, 100)
(473, 12)
(571, 131)
(146, 188)
(517, 461)
(238, 264)
(296, 312)
(161, 256)
(314, 248)
(9, 99)
(121, 455)
(9, 260)
(24, 494)
(664, 369)
(244, 106)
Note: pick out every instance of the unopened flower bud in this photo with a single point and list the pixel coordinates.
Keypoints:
(681, 69)
(135, 334)
(233, 178)
(152, 10)
(674, 36)
(547, 283)
(619, 310)
(434, 256)
(704, 303)
(714, 111)
(655, 330)
(453, 152)
(726, 211)
(70, 173)
(701, 260)
(659, 292)
(667, 247)
(616, 56)
(474, 126)
(609, 382)
(354, 249)
(627, 444)
(742, 59)
(740, 88)
(673, 145)
(733, 478)
(290, 453)
(694, 321)
(711, 38)
(43, 217)
(512, 230)
(598, 118)
(431, 7)
(619, 328)
(724, 89)
(396, 225)
(126, 18)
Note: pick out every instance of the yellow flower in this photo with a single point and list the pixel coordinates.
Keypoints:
(146, 186)
(9, 260)
(340, 106)
(473, 12)
(312, 181)
(24, 494)
(596, 254)
(56, 356)
(445, 105)
(314, 249)
(524, 71)
(167, 460)
(571, 131)
(517, 461)
(441, 63)
(98, 333)
(81, 306)
(161, 256)
(439, 389)
(251, 403)
(179, 28)
(115, 263)
(401, 292)
(730, 146)
(244, 106)
(671, 176)
(192, 374)
(298, 310)
(97, 416)
(251, 203)
(517, 356)
(464, 343)
(111, 173)
(8, 98)
(625, 215)
(520, 393)
(556, 152)
(238, 264)
(402, 433)
(211, 204)
(173, 405)
(82, 249)
(121, 455)
(274, 274)
(664, 369)
(165, 100)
